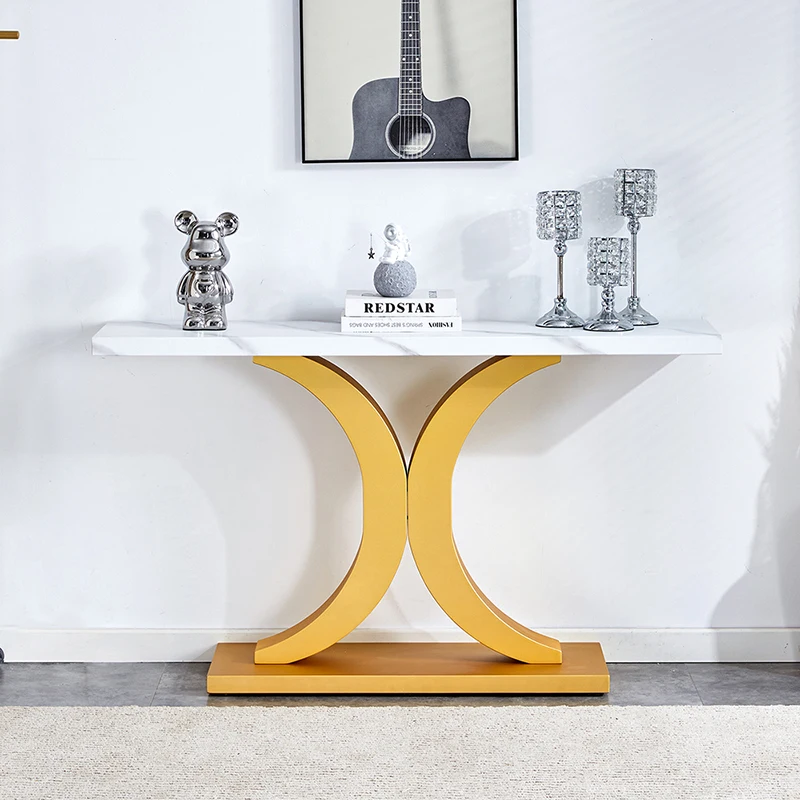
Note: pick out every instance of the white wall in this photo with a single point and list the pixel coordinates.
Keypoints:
(151, 506)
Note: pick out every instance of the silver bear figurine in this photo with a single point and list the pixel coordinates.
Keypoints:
(205, 289)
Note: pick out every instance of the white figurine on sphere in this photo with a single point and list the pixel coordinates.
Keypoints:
(397, 245)
(395, 276)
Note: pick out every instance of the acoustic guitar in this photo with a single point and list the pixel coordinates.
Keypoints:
(392, 118)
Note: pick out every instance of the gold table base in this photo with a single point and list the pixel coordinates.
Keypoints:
(408, 502)
(423, 668)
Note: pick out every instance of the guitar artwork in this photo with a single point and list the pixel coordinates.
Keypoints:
(392, 118)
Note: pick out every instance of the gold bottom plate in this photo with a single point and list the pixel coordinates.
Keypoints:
(403, 668)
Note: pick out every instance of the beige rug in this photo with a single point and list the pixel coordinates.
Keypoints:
(673, 753)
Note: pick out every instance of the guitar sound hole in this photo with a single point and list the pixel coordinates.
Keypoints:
(410, 137)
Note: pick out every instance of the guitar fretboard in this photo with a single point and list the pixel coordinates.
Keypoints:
(410, 60)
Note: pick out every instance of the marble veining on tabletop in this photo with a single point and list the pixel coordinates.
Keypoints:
(480, 339)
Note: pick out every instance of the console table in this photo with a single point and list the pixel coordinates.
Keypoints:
(406, 500)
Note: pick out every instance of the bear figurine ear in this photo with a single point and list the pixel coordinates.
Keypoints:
(185, 221)
(227, 223)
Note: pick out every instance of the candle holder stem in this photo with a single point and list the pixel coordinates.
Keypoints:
(560, 315)
(608, 299)
(635, 313)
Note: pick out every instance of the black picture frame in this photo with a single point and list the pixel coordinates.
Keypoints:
(406, 137)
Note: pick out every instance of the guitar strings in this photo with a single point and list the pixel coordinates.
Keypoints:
(406, 149)
(404, 120)
(414, 136)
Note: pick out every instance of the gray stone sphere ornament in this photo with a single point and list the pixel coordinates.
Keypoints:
(395, 276)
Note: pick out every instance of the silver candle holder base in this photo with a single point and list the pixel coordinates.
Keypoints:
(607, 321)
(636, 315)
(560, 316)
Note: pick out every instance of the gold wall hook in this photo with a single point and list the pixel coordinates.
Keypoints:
(9, 34)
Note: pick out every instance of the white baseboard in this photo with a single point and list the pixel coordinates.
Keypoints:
(619, 645)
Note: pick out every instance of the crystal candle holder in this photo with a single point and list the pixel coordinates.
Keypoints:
(558, 218)
(636, 198)
(609, 266)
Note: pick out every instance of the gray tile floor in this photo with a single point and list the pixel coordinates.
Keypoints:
(184, 685)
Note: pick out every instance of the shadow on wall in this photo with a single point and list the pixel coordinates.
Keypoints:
(598, 199)
(176, 470)
(182, 443)
(775, 557)
(492, 249)
(562, 399)
(771, 581)
(444, 21)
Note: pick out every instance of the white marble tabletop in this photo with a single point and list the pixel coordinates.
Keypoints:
(683, 337)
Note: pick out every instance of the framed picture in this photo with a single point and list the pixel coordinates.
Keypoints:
(409, 80)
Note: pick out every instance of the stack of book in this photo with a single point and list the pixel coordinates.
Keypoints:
(420, 312)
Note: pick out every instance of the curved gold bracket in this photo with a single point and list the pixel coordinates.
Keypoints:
(423, 498)
(383, 540)
(430, 518)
